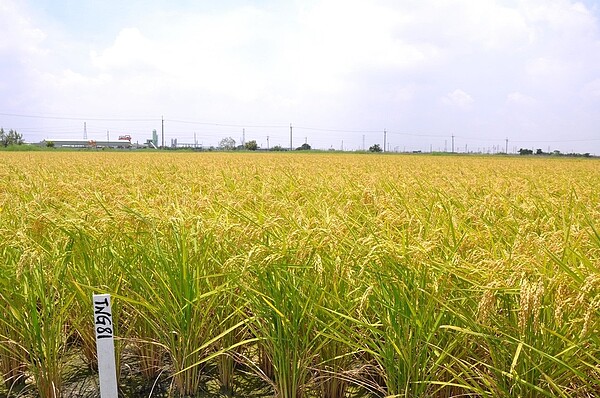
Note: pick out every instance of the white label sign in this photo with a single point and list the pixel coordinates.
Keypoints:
(105, 345)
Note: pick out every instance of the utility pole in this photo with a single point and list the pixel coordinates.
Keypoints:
(452, 143)
(384, 139)
(84, 131)
(243, 137)
(291, 146)
(507, 145)
(162, 131)
(195, 141)
(342, 145)
(363, 142)
(268, 143)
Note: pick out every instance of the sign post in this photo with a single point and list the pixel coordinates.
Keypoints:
(105, 345)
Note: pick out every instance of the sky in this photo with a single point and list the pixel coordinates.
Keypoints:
(484, 74)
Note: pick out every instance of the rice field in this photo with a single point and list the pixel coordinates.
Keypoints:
(301, 275)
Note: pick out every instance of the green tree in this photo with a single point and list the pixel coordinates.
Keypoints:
(10, 138)
(251, 145)
(303, 147)
(375, 148)
(227, 144)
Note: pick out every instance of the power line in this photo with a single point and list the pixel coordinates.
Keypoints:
(238, 125)
(225, 124)
(79, 118)
(558, 141)
(336, 130)
(418, 134)
(526, 141)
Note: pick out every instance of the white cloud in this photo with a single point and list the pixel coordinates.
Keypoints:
(355, 34)
(332, 43)
(572, 18)
(201, 53)
(456, 27)
(130, 50)
(349, 64)
(545, 68)
(404, 94)
(518, 98)
(18, 33)
(458, 98)
(237, 53)
(591, 90)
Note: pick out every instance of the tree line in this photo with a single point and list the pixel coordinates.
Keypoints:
(10, 138)
(525, 151)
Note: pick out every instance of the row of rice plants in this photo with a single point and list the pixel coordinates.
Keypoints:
(322, 275)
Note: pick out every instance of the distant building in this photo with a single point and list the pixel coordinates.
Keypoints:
(61, 143)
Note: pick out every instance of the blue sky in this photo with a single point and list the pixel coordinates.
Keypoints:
(481, 71)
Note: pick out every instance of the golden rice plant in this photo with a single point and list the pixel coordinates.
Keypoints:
(327, 274)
